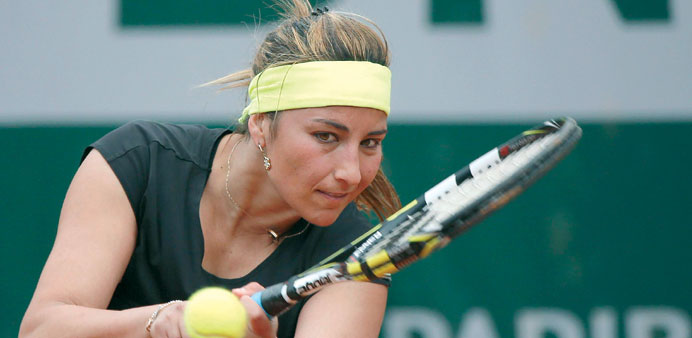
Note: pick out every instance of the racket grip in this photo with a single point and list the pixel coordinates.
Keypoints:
(272, 301)
(257, 297)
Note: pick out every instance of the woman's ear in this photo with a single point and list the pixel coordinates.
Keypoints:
(258, 128)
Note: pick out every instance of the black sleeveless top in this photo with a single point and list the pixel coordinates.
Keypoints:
(163, 169)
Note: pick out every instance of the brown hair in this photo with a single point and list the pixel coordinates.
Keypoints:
(306, 34)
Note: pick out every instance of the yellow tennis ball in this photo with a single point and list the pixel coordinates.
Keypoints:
(215, 312)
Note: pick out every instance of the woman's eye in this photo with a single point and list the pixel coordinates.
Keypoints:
(371, 143)
(325, 137)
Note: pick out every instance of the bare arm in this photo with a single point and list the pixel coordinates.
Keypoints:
(351, 309)
(95, 239)
(96, 236)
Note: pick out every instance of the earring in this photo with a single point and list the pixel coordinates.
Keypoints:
(267, 162)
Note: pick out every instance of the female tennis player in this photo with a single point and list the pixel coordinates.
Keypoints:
(157, 211)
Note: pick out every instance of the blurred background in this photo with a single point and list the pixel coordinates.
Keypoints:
(601, 247)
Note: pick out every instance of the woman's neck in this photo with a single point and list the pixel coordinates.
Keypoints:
(251, 201)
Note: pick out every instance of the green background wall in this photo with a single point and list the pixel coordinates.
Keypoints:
(133, 13)
(608, 227)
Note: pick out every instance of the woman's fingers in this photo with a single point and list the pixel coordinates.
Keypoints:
(248, 290)
(258, 322)
(259, 325)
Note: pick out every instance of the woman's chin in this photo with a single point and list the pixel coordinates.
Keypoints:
(324, 218)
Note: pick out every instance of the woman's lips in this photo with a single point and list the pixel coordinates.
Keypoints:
(333, 195)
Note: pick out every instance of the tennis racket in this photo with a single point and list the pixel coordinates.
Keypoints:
(431, 221)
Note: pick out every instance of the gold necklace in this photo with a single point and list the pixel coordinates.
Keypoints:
(274, 236)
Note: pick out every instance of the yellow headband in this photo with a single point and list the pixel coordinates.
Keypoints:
(319, 84)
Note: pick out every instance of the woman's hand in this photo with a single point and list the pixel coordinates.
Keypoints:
(169, 322)
(258, 324)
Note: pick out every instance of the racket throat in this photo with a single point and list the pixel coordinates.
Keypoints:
(310, 283)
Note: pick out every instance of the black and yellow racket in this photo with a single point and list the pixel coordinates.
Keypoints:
(432, 220)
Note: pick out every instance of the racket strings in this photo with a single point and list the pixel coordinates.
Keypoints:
(443, 212)
(466, 193)
(528, 164)
(457, 209)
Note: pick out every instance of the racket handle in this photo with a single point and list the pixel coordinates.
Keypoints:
(272, 301)
(257, 297)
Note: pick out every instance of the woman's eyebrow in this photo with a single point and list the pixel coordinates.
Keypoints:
(340, 126)
(377, 132)
(332, 123)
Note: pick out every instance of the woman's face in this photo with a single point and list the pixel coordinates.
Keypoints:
(323, 158)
